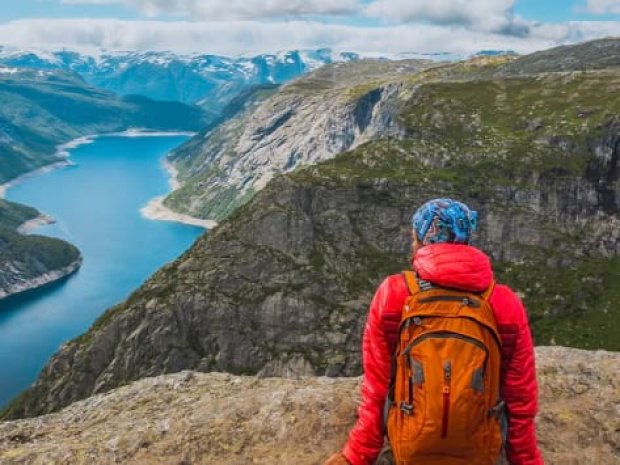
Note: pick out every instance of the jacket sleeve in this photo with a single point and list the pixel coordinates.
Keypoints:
(520, 388)
(366, 437)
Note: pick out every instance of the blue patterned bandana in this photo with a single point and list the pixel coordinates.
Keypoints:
(444, 220)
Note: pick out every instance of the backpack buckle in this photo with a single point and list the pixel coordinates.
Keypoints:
(407, 409)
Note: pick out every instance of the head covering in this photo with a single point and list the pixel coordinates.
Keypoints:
(444, 220)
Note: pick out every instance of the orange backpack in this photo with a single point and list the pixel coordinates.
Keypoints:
(444, 403)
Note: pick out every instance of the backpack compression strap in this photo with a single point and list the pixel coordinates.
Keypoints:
(412, 282)
(486, 295)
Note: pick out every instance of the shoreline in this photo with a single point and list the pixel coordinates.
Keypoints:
(42, 220)
(62, 151)
(156, 210)
(24, 177)
(173, 174)
(137, 132)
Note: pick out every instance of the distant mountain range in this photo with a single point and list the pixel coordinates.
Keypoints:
(209, 80)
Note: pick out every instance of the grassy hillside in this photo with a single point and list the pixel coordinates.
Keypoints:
(39, 254)
(12, 215)
(587, 56)
(540, 153)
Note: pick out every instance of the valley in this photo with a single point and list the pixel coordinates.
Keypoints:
(281, 286)
(312, 184)
(50, 100)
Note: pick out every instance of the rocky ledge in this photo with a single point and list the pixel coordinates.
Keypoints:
(196, 418)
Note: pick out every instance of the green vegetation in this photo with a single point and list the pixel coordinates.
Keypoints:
(355, 77)
(203, 163)
(596, 54)
(493, 111)
(13, 407)
(40, 110)
(477, 135)
(574, 305)
(39, 253)
(479, 141)
(12, 215)
(25, 257)
(487, 140)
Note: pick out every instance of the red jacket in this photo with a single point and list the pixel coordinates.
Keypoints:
(461, 267)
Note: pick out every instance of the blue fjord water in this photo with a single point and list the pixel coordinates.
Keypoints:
(96, 204)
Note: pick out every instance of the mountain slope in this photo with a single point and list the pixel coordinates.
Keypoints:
(41, 109)
(322, 114)
(588, 56)
(221, 419)
(314, 118)
(282, 286)
(13, 215)
(30, 261)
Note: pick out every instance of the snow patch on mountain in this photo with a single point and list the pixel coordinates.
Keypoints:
(209, 80)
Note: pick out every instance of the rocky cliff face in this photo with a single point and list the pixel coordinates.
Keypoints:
(195, 418)
(282, 286)
(315, 118)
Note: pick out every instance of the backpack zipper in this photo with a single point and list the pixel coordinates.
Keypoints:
(450, 298)
(447, 377)
(420, 316)
(411, 390)
(445, 335)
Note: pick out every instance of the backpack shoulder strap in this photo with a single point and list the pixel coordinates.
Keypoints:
(486, 295)
(412, 282)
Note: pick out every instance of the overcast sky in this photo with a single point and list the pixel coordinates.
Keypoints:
(234, 27)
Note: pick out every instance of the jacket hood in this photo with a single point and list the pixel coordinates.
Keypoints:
(455, 266)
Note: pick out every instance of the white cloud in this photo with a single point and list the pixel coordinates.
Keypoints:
(213, 10)
(483, 15)
(440, 11)
(250, 37)
(603, 6)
